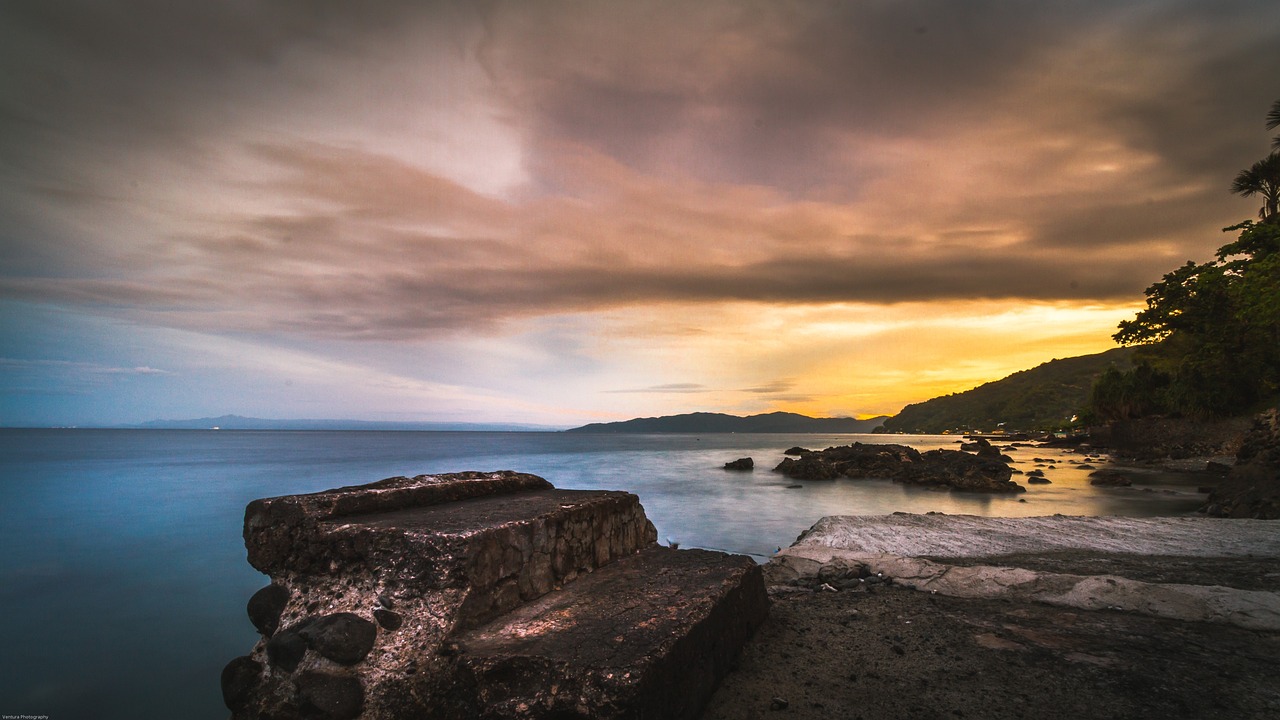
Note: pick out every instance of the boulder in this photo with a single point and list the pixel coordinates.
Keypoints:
(1251, 488)
(345, 638)
(1109, 478)
(265, 608)
(740, 464)
(899, 463)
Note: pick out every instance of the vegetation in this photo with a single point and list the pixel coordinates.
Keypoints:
(1210, 334)
(1046, 397)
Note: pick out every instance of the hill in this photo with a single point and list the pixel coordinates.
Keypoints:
(1044, 397)
(701, 422)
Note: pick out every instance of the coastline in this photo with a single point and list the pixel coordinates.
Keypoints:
(967, 642)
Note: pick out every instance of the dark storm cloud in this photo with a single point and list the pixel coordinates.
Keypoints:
(676, 153)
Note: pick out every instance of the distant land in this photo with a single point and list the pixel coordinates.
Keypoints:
(701, 422)
(1042, 398)
(238, 422)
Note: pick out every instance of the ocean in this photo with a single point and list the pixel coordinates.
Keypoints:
(123, 578)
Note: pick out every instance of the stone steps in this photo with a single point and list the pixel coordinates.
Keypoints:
(483, 595)
(649, 636)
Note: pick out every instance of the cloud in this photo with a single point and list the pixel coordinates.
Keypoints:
(660, 154)
(668, 388)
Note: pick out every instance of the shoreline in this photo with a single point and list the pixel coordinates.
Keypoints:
(964, 642)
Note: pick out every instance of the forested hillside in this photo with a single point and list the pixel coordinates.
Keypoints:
(1042, 398)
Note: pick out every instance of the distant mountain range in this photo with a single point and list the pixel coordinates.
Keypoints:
(701, 422)
(1044, 397)
(237, 422)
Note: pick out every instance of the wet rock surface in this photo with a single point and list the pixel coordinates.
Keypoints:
(1251, 488)
(955, 469)
(374, 586)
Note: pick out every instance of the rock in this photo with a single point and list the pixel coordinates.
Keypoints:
(807, 467)
(345, 638)
(265, 608)
(779, 704)
(899, 463)
(961, 471)
(1039, 480)
(1035, 474)
(740, 464)
(1109, 478)
(329, 696)
(797, 450)
(457, 553)
(1251, 488)
(285, 650)
(240, 679)
(388, 619)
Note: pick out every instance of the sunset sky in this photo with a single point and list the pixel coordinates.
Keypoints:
(568, 212)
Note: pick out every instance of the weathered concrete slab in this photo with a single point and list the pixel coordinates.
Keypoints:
(932, 552)
(955, 536)
(647, 637)
(370, 585)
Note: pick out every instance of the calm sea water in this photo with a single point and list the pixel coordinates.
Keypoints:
(123, 578)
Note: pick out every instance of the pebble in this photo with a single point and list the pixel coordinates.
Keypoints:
(285, 650)
(334, 697)
(240, 679)
(345, 638)
(266, 606)
(779, 704)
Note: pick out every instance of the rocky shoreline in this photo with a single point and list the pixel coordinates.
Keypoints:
(944, 630)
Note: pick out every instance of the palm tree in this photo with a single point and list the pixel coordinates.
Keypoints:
(1273, 122)
(1262, 179)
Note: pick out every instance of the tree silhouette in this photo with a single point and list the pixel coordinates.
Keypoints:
(1273, 122)
(1262, 179)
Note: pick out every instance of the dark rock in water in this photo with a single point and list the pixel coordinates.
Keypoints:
(329, 696)
(1109, 478)
(240, 680)
(961, 471)
(937, 468)
(388, 619)
(807, 467)
(285, 650)
(740, 464)
(1039, 480)
(1086, 466)
(793, 487)
(1252, 487)
(1035, 474)
(797, 450)
(345, 638)
(265, 608)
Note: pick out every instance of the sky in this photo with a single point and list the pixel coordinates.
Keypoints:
(570, 212)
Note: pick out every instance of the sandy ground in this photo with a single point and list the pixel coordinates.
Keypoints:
(879, 650)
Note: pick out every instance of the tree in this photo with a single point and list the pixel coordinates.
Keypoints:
(1212, 333)
(1262, 179)
(1273, 122)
